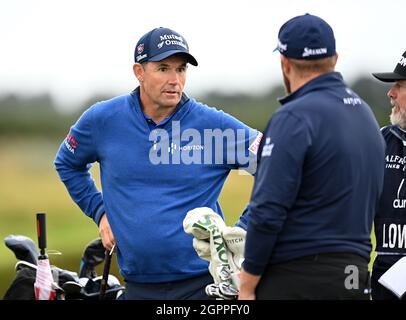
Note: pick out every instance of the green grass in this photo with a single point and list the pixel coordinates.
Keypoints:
(29, 184)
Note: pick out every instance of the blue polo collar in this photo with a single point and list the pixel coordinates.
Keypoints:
(325, 80)
(151, 123)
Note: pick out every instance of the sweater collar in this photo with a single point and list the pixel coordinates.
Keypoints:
(323, 81)
(399, 133)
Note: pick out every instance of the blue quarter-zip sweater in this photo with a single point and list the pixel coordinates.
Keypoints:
(319, 177)
(151, 178)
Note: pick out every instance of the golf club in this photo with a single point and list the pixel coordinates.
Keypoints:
(106, 270)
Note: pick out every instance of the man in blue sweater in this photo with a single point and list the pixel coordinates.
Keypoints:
(318, 182)
(161, 154)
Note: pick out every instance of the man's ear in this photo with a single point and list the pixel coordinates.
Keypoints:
(336, 58)
(138, 72)
(285, 65)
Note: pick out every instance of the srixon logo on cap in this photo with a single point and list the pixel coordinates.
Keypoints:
(313, 52)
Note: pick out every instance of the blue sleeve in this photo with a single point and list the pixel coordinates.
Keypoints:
(276, 185)
(240, 151)
(73, 161)
(243, 221)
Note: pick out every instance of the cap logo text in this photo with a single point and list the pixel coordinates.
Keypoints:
(314, 52)
(402, 61)
(171, 40)
(140, 57)
(170, 36)
(281, 46)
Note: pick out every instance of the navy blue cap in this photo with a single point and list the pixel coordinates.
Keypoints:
(161, 43)
(306, 37)
(398, 74)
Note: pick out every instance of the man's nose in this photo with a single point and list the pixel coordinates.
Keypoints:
(173, 77)
(391, 93)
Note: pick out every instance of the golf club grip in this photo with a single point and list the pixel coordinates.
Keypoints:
(106, 270)
(41, 231)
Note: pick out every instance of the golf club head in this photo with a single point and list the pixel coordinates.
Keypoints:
(92, 256)
(91, 290)
(72, 287)
(222, 291)
(72, 290)
(112, 280)
(23, 248)
(63, 276)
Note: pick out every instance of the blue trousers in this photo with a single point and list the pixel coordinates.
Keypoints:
(187, 289)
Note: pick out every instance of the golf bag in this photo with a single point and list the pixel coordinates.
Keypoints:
(67, 284)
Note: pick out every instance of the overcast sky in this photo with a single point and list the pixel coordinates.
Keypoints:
(75, 49)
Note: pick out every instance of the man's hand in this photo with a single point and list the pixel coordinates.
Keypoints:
(106, 234)
(248, 284)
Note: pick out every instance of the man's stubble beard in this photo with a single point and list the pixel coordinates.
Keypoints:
(398, 117)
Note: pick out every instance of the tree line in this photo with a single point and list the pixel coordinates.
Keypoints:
(39, 115)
